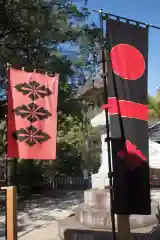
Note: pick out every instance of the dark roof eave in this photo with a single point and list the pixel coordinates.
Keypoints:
(92, 87)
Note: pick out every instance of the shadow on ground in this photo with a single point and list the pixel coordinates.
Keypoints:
(2, 231)
(43, 209)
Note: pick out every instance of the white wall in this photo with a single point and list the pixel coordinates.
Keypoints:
(154, 154)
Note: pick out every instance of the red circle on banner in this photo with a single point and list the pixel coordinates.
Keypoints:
(127, 62)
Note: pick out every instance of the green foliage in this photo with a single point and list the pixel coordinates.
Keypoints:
(2, 137)
(72, 149)
(154, 107)
(32, 32)
(27, 175)
(86, 64)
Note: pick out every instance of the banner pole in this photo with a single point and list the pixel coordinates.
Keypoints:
(110, 174)
(11, 212)
(6, 118)
(128, 20)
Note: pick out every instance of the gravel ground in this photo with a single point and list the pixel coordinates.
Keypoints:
(41, 212)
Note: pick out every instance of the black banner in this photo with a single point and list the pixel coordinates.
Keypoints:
(128, 108)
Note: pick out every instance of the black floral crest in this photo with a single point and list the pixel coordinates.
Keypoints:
(34, 90)
(30, 135)
(32, 112)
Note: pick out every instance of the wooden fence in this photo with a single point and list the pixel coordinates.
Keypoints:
(78, 183)
(68, 183)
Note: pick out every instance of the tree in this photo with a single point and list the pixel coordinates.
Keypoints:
(36, 35)
(31, 36)
(154, 107)
(87, 62)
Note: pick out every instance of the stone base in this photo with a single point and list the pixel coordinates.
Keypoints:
(93, 218)
(95, 212)
(97, 198)
(100, 219)
(70, 229)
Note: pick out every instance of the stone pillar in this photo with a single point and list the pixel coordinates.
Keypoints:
(100, 180)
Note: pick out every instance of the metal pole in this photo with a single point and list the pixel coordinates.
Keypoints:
(6, 118)
(110, 174)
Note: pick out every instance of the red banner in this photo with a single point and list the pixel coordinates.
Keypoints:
(32, 115)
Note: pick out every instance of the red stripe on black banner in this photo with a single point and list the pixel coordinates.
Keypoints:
(128, 109)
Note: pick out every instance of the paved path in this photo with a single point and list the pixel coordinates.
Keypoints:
(37, 217)
(48, 232)
(42, 212)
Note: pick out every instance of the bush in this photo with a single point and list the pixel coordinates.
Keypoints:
(28, 177)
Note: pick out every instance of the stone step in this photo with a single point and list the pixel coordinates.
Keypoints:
(101, 219)
(97, 198)
(68, 224)
(93, 218)
(70, 229)
(100, 198)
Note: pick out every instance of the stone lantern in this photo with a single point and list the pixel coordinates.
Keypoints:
(94, 213)
(92, 91)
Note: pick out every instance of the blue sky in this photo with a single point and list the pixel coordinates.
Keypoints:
(143, 10)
